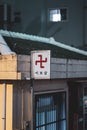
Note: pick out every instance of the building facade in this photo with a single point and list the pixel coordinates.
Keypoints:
(66, 21)
(56, 103)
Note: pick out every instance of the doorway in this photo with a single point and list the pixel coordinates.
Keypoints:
(50, 111)
(85, 108)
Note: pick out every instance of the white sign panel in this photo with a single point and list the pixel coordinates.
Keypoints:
(40, 64)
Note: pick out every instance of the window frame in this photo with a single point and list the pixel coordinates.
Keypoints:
(58, 8)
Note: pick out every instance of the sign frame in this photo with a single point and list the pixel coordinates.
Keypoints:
(40, 64)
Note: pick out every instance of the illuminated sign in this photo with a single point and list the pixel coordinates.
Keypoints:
(40, 64)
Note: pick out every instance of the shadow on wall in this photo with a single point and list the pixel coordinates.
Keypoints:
(34, 27)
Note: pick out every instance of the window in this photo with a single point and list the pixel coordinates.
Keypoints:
(85, 109)
(51, 112)
(57, 15)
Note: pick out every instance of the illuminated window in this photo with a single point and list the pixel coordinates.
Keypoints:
(57, 15)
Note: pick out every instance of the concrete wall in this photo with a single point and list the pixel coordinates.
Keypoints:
(70, 32)
(17, 67)
(14, 67)
(68, 68)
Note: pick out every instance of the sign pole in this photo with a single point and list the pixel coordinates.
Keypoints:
(39, 69)
(32, 101)
(32, 95)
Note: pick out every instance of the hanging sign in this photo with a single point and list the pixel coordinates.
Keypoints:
(40, 64)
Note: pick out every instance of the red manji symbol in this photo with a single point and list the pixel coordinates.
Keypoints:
(41, 61)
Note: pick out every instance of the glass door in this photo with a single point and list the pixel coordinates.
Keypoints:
(85, 109)
(51, 111)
